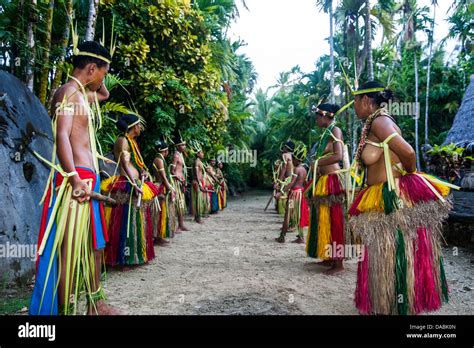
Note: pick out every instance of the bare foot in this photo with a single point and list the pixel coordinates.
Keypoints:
(101, 308)
(327, 263)
(125, 268)
(177, 232)
(183, 229)
(161, 242)
(333, 270)
(280, 239)
(298, 240)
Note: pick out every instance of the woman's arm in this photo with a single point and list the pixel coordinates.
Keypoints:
(336, 157)
(382, 128)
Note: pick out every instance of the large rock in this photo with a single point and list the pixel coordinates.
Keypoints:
(25, 126)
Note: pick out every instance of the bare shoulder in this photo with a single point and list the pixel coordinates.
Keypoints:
(66, 95)
(121, 143)
(383, 126)
(337, 132)
(158, 161)
(384, 121)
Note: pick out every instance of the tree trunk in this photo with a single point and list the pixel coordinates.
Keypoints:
(368, 41)
(331, 51)
(91, 19)
(30, 75)
(417, 111)
(64, 44)
(430, 56)
(44, 78)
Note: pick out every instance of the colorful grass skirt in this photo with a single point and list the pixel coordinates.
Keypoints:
(327, 238)
(402, 267)
(130, 227)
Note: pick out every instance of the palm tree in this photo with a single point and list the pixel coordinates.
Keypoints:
(64, 44)
(461, 29)
(409, 13)
(30, 75)
(92, 19)
(368, 41)
(414, 19)
(430, 56)
(326, 6)
(44, 77)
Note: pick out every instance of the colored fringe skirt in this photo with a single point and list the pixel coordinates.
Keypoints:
(222, 196)
(130, 227)
(87, 231)
(327, 238)
(401, 271)
(214, 200)
(298, 213)
(180, 200)
(198, 201)
(281, 205)
(160, 215)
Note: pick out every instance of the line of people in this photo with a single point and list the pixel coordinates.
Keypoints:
(78, 234)
(380, 203)
(151, 204)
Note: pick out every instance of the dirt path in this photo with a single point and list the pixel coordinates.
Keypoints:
(231, 265)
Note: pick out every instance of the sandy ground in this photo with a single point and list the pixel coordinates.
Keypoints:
(232, 265)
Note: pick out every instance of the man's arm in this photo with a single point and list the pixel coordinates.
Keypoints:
(281, 175)
(102, 94)
(174, 164)
(197, 168)
(65, 119)
(294, 177)
(162, 173)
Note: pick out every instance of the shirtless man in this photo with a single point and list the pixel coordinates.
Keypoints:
(286, 169)
(198, 186)
(162, 181)
(76, 152)
(178, 174)
(213, 181)
(295, 198)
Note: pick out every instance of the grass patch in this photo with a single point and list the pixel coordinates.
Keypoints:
(13, 305)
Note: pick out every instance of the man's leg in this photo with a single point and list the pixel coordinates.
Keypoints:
(286, 221)
(98, 306)
(181, 208)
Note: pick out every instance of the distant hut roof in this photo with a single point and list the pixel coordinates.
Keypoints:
(462, 130)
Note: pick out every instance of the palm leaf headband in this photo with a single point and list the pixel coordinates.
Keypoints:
(75, 42)
(300, 152)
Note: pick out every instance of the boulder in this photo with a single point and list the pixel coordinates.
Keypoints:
(25, 126)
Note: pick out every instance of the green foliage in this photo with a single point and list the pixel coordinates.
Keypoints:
(447, 160)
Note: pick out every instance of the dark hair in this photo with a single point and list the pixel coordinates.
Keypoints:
(290, 145)
(91, 47)
(126, 120)
(333, 108)
(380, 97)
(161, 145)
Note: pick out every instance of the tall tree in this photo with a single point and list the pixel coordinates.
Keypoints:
(44, 77)
(91, 19)
(434, 3)
(368, 41)
(326, 6)
(32, 20)
(64, 44)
